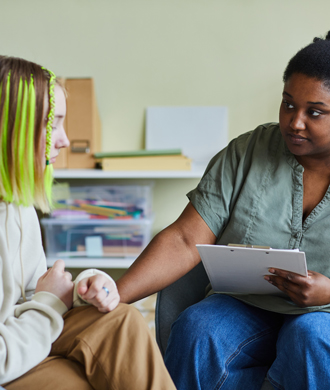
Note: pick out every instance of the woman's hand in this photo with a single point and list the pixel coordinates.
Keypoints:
(100, 291)
(58, 282)
(311, 290)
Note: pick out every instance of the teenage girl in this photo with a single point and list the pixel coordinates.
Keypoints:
(55, 333)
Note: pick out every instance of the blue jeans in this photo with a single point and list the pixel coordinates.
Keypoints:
(223, 343)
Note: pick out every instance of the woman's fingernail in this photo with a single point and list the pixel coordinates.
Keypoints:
(271, 270)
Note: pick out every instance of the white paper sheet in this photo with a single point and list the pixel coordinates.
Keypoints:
(242, 270)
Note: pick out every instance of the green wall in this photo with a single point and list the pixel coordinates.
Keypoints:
(166, 52)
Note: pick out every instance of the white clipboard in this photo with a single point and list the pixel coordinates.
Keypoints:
(242, 270)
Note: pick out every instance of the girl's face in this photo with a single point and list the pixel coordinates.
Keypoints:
(59, 137)
(305, 117)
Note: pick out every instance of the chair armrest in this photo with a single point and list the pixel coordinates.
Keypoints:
(174, 299)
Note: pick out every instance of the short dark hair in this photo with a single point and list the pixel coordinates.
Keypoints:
(312, 61)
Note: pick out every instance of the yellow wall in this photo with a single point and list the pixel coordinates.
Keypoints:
(166, 52)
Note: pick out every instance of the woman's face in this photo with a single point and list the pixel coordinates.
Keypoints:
(305, 117)
(59, 137)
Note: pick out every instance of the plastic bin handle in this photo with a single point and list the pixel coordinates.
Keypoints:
(80, 146)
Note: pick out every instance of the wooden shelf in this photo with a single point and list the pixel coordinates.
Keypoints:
(83, 262)
(94, 262)
(195, 173)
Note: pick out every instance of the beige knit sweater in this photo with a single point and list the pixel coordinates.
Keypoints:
(27, 329)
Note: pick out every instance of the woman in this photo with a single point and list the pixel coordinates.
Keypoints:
(269, 187)
(98, 344)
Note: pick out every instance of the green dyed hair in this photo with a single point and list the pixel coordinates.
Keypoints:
(24, 178)
(50, 119)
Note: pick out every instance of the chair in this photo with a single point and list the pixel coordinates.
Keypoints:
(172, 300)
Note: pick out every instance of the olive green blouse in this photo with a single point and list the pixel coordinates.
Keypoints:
(252, 193)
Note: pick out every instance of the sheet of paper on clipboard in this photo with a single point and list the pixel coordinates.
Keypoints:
(242, 269)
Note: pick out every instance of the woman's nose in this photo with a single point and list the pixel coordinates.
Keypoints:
(298, 121)
(62, 141)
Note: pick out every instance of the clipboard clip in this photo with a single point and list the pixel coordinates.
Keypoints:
(250, 246)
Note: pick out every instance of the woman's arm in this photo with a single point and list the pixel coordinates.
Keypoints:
(170, 255)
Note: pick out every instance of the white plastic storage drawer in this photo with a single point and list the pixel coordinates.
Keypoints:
(122, 202)
(95, 238)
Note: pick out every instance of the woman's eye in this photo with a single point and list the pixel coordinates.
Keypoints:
(287, 104)
(314, 113)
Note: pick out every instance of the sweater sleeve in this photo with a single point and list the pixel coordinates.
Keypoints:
(27, 335)
(77, 300)
(27, 329)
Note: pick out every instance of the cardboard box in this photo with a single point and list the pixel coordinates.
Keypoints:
(83, 126)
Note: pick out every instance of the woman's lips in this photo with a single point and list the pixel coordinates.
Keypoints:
(296, 139)
(53, 159)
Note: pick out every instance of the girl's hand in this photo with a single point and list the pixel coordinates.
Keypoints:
(94, 290)
(58, 282)
(311, 290)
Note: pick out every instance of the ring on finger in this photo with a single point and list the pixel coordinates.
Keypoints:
(106, 290)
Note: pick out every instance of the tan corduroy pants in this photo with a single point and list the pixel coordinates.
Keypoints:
(100, 351)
